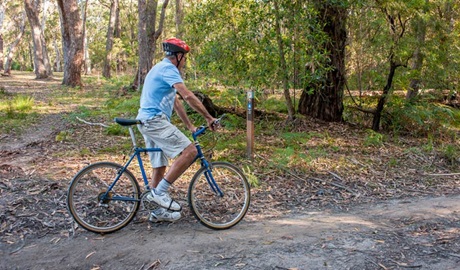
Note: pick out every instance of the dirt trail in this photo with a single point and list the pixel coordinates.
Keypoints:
(401, 234)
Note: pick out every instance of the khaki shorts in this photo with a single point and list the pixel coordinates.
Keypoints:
(158, 132)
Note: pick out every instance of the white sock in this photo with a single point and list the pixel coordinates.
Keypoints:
(162, 187)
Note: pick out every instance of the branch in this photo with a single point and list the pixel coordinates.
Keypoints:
(341, 186)
(332, 183)
(92, 124)
(441, 174)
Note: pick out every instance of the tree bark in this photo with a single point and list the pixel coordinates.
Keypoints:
(179, 18)
(72, 36)
(147, 36)
(383, 98)
(86, 58)
(58, 60)
(14, 45)
(2, 18)
(42, 66)
(109, 41)
(420, 30)
(284, 72)
(1, 51)
(324, 99)
(120, 62)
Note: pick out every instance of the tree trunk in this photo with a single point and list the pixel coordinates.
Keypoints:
(420, 30)
(383, 98)
(109, 41)
(398, 28)
(58, 60)
(117, 29)
(86, 58)
(14, 45)
(42, 67)
(148, 35)
(179, 18)
(2, 18)
(120, 62)
(72, 36)
(324, 100)
(284, 73)
(1, 51)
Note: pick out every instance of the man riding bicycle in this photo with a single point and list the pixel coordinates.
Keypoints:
(158, 100)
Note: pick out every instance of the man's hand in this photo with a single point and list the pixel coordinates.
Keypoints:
(193, 129)
(213, 124)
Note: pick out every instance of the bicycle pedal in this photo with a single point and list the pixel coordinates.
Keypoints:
(146, 204)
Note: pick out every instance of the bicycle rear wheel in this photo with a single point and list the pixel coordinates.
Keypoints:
(211, 209)
(96, 213)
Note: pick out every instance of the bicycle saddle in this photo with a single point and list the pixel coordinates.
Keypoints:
(128, 122)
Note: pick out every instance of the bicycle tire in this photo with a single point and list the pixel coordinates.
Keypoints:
(217, 212)
(85, 189)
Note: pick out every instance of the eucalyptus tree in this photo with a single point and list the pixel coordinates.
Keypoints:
(53, 35)
(179, 18)
(149, 31)
(323, 97)
(396, 24)
(72, 39)
(42, 66)
(111, 33)
(284, 70)
(419, 26)
(86, 55)
(2, 19)
(18, 17)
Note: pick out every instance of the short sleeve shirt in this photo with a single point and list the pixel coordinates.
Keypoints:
(158, 93)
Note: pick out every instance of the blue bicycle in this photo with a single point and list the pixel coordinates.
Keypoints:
(104, 197)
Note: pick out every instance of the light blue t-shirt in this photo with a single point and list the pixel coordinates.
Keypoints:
(158, 94)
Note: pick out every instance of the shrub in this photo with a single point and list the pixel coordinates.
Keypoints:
(421, 119)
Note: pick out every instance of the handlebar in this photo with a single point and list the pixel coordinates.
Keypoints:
(201, 130)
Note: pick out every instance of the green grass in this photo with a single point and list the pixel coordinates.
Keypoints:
(16, 111)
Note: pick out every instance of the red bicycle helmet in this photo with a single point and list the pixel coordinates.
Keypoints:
(175, 45)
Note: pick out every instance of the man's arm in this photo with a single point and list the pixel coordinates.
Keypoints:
(180, 110)
(194, 102)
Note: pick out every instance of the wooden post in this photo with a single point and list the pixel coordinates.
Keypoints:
(250, 125)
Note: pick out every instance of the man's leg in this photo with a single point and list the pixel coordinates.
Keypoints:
(157, 175)
(181, 164)
(160, 193)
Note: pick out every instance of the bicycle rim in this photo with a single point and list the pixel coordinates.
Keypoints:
(212, 210)
(86, 189)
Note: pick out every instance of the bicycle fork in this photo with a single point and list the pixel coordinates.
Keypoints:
(212, 182)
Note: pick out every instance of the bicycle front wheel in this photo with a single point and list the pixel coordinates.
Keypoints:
(224, 209)
(97, 210)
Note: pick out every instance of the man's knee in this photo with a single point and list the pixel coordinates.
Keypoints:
(190, 151)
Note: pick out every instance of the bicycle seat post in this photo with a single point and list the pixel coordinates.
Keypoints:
(133, 138)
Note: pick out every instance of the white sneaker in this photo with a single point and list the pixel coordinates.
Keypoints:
(161, 214)
(163, 200)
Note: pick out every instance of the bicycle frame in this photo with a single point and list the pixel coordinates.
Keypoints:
(137, 154)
